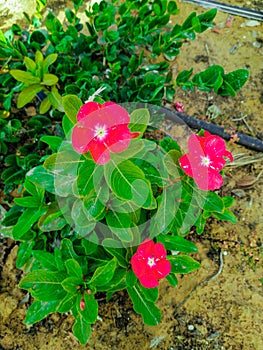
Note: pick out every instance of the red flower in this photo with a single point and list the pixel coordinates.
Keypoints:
(149, 263)
(101, 129)
(204, 160)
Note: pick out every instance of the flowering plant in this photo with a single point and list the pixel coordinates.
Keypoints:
(110, 209)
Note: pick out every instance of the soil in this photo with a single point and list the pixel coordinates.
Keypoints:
(220, 305)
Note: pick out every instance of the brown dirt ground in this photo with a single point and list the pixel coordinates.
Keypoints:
(223, 313)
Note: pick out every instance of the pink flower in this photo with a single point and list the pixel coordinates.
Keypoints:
(82, 304)
(204, 160)
(101, 129)
(149, 263)
(179, 107)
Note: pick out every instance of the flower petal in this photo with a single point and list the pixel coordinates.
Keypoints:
(217, 163)
(87, 109)
(211, 182)
(195, 145)
(81, 138)
(139, 266)
(162, 269)
(99, 151)
(186, 164)
(109, 114)
(149, 280)
(118, 138)
(159, 251)
(214, 146)
(228, 155)
(146, 249)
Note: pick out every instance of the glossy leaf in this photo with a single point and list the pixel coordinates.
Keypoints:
(104, 274)
(90, 311)
(26, 221)
(150, 313)
(28, 94)
(139, 120)
(38, 310)
(71, 104)
(182, 264)
(24, 253)
(81, 330)
(177, 243)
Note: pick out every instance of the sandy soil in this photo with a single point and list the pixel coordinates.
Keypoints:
(224, 312)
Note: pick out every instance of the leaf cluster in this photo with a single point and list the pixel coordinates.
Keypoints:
(80, 223)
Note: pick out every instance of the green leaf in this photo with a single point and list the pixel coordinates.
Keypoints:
(116, 283)
(25, 77)
(73, 268)
(71, 284)
(118, 253)
(183, 77)
(49, 79)
(38, 310)
(83, 223)
(167, 207)
(55, 99)
(44, 285)
(213, 202)
(50, 59)
(28, 202)
(67, 249)
(128, 182)
(71, 104)
(226, 215)
(24, 253)
(42, 277)
(139, 121)
(90, 244)
(33, 201)
(54, 142)
(26, 221)
(150, 294)
(172, 279)
(67, 303)
(2, 37)
(150, 313)
(28, 94)
(94, 208)
(131, 279)
(90, 311)
(89, 174)
(104, 274)
(172, 8)
(44, 106)
(228, 201)
(120, 224)
(151, 172)
(42, 177)
(46, 259)
(30, 64)
(206, 19)
(64, 165)
(81, 330)
(177, 243)
(182, 264)
(233, 81)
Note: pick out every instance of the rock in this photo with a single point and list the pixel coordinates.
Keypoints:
(251, 23)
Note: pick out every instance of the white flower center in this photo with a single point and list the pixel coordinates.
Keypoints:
(100, 132)
(151, 262)
(205, 161)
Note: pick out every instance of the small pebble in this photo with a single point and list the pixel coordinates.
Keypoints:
(251, 23)
(256, 44)
(190, 327)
